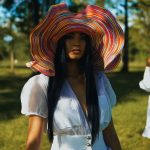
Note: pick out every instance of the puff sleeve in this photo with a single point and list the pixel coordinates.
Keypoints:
(107, 99)
(145, 83)
(109, 90)
(33, 96)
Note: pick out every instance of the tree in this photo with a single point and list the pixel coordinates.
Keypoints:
(12, 21)
(139, 34)
(125, 67)
(144, 19)
(100, 3)
(36, 16)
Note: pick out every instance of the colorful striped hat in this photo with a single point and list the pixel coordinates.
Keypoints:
(106, 35)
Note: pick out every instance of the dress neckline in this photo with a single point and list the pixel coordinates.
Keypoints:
(82, 113)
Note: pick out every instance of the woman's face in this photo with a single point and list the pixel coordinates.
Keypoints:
(75, 45)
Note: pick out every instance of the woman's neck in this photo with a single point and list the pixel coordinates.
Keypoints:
(72, 70)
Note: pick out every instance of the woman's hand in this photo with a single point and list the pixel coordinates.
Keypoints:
(35, 130)
(111, 138)
(148, 62)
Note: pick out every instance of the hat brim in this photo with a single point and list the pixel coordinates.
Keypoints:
(105, 32)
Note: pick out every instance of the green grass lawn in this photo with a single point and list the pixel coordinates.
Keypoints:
(129, 114)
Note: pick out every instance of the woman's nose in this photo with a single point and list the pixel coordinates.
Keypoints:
(76, 40)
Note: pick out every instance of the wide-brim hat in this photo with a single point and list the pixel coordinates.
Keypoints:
(105, 32)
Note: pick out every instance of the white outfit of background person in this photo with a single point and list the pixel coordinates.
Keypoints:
(145, 85)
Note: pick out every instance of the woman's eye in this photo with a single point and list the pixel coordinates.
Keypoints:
(83, 37)
(69, 36)
(72, 36)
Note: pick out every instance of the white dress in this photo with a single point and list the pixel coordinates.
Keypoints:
(71, 130)
(145, 85)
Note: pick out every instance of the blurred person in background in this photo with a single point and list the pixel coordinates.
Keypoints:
(145, 85)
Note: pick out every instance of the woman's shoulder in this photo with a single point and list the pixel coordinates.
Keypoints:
(104, 87)
(100, 80)
(34, 96)
(39, 79)
(100, 75)
(37, 83)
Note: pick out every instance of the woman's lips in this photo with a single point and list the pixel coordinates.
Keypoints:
(76, 51)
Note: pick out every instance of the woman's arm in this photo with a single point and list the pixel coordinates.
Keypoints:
(35, 130)
(111, 138)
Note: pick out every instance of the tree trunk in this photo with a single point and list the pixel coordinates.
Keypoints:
(46, 5)
(125, 67)
(35, 16)
(12, 66)
(11, 47)
(51, 2)
(100, 3)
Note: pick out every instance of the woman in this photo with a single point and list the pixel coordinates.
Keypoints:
(72, 94)
(145, 85)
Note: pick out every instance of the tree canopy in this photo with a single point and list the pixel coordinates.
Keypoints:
(24, 15)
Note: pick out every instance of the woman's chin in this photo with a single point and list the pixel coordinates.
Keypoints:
(75, 57)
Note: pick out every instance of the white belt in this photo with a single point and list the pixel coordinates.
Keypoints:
(76, 142)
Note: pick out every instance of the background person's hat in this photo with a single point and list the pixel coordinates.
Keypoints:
(106, 34)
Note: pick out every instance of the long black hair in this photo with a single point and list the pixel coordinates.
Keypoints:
(56, 82)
